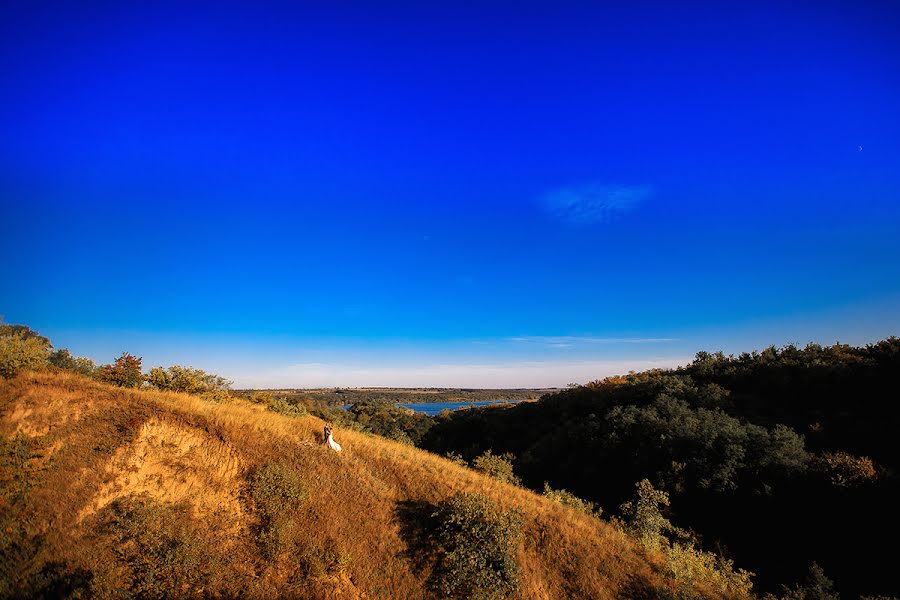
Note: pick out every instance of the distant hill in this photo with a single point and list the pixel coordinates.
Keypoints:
(113, 492)
(341, 396)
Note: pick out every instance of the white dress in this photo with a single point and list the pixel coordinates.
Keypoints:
(333, 444)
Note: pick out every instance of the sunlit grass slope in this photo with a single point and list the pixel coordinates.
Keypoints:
(79, 454)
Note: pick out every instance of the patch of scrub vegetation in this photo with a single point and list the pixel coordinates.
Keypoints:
(276, 492)
(476, 545)
(689, 567)
(572, 501)
(498, 466)
(166, 553)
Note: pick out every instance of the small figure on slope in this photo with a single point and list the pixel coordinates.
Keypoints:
(329, 438)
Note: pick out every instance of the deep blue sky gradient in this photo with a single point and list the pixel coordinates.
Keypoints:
(377, 185)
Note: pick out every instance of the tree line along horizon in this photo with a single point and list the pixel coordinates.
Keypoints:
(781, 461)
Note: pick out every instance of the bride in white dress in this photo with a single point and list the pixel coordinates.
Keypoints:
(329, 439)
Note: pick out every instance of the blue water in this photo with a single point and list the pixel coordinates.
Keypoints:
(433, 408)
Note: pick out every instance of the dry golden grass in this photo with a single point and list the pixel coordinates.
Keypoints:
(103, 443)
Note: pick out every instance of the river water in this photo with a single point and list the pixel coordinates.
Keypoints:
(433, 408)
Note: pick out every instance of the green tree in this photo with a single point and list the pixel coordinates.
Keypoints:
(125, 372)
(643, 518)
(19, 351)
(186, 380)
(64, 359)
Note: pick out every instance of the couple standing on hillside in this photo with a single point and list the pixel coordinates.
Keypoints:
(329, 438)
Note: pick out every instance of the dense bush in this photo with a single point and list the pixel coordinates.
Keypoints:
(186, 379)
(64, 359)
(125, 372)
(497, 466)
(276, 491)
(20, 352)
(476, 546)
(165, 551)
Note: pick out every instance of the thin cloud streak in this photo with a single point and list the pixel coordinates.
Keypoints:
(570, 340)
(593, 203)
(525, 374)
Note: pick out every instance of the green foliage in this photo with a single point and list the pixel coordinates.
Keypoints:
(276, 492)
(688, 565)
(476, 545)
(498, 466)
(642, 517)
(388, 420)
(64, 359)
(165, 551)
(691, 567)
(261, 398)
(283, 407)
(23, 331)
(572, 501)
(186, 380)
(20, 352)
(718, 450)
(125, 372)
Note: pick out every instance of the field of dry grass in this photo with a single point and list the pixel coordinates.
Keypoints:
(75, 450)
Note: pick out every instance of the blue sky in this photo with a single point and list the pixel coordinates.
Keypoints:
(490, 194)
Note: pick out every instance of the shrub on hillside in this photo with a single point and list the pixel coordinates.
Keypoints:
(687, 565)
(276, 491)
(323, 557)
(476, 545)
(125, 372)
(642, 518)
(163, 548)
(691, 567)
(572, 501)
(186, 380)
(20, 352)
(64, 359)
(844, 469)
(498, 466)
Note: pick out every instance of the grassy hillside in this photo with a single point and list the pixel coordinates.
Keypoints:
(106, 489)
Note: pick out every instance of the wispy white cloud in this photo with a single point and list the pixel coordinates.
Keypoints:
(571, 340)
(524, 374)
(593, 202)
